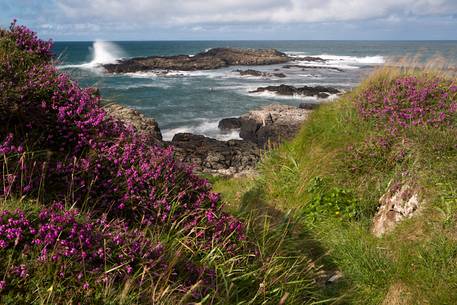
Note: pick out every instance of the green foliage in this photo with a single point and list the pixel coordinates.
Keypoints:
(325, 202)
(342, 163)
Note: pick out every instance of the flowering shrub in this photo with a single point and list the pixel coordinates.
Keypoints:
(409, 100)
(58, 140)
(92, 248)
(85, 252)
(27, 40)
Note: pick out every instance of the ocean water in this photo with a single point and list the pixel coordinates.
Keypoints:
(196, 101)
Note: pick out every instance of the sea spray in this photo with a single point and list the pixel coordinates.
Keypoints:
(103, 52)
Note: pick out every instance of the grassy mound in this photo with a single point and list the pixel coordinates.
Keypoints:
(398, 127)
(92, 212)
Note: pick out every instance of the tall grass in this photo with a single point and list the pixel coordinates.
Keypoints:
(362, 155)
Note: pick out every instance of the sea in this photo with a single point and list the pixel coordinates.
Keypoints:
(195, 101)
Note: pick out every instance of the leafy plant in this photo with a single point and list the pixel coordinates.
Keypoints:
(325, 201)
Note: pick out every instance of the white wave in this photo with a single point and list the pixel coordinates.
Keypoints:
(270, 94)
(177, 73)
(337, 61)
(103, 52)
(208, 128)
(274, 95)
(138, 86)
(378, 59)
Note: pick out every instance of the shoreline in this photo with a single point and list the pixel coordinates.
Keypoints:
(259, 129)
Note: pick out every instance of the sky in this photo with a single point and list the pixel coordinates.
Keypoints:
(235, 19)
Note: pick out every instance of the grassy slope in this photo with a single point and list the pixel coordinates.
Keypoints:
(418, 259)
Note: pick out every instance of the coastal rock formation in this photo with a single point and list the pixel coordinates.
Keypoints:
(304, 68)
(138, 120)
(311, 58)
(211, 59)
(272, 124)
(229, 124)
(226, 158)
(398, 203)
(258, 128)
(319, 91)
(251, 72)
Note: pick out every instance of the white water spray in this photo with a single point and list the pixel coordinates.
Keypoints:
(103, 52)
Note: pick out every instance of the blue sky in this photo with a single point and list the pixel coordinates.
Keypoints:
(235, 19)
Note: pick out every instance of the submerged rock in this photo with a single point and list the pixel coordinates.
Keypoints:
(251, 72)
(272, 124)
(211, 59)
(319, 91)
(312, 58)
(226, 158)
(304, 68)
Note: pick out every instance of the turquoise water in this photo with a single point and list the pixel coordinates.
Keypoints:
(196, 101)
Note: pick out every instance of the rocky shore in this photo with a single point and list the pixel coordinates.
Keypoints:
(259, 129)
(251, 72)
(317, 91)
(211, 59)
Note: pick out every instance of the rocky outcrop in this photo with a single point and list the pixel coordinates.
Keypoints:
(211, 59)
(272, 124)
(318, 91)
(311, 58)
(226, 158)
(268, 125)
(135, 118)
(400, 202)
(304, 68)
(251, 72)
(229, 124)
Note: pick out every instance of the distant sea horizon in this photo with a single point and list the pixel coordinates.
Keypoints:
(195, 101)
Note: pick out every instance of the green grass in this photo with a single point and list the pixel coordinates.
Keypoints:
(420, 255)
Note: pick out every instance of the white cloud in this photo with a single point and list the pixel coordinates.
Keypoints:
(175, 12)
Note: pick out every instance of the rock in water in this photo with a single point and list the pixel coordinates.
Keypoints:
(211, 59)
(251, 72)
(304, 68)
(319, 91)
(135, 118)
(272, 124)
(212, 156)
(229, 124)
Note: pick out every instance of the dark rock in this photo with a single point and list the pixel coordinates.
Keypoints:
(211, 59)
(304, 68)
(216, 157)
(272, 124)
(319, 91)
(256, 73)
(135, 118)
(311, 59)
(229, 124)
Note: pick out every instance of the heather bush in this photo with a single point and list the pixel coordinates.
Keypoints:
(59, 141)
(409, 100)
(68, 250)
(118, 219)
